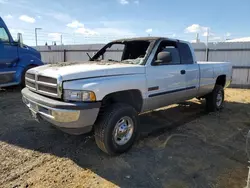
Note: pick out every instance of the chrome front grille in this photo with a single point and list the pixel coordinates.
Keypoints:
(30, 84)
(43, 84)
(47, 89)
(30, 76)
(46, 79)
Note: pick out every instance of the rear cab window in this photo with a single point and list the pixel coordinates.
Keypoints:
(185, 53)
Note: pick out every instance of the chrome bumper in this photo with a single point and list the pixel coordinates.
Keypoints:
(69, 117)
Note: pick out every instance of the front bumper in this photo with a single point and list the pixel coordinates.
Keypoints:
(73, 118)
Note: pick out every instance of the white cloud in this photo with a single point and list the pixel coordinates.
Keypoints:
(75, 24)
(85, 31)
(3, 1)
(124, 2)
(80, 28)
(136, 2)
(205, 34)
(27, 19)
(55, 36)
(205, 31)
(9, 16)
(106, 31)
(149, 30)
(228, 34)
(212, 37)
(195, 28)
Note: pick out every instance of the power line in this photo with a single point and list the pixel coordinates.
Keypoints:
(44, 36)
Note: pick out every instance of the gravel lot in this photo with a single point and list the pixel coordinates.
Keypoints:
(180, 146)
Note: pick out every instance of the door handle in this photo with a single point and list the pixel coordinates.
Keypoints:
(183, 72)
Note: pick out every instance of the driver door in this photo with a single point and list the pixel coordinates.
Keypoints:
(166, 82)
(8, 56)
(8, 51)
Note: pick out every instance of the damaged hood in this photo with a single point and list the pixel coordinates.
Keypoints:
(79, 70)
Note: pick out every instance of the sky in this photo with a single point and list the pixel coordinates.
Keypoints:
(99, 21)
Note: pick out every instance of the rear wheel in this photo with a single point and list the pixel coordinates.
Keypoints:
(215, 100)
(115, 130)
(23, 75)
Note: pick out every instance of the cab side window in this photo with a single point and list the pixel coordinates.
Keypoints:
(174, 53)
(169, 46)
(3, 35)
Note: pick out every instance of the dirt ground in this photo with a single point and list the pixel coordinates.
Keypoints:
(180, 146)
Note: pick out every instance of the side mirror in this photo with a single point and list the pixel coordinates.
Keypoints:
(20, 39)
(163, 58)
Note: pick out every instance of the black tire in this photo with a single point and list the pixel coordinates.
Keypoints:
(22, 84)
(105, 125)
(211, 99)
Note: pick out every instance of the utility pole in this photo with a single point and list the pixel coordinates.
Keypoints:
(61, 39)
(197, 39)
(207, 44)
(36, 33)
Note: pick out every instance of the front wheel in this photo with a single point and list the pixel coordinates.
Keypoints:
(215, 100)
(115, 130)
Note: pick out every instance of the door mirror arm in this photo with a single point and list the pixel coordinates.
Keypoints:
(20, 39)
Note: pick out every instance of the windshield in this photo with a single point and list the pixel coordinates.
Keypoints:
(129, 52)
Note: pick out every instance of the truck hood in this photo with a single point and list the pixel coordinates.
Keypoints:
(79, 70)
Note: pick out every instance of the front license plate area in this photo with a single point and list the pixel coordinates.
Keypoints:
(33, 107)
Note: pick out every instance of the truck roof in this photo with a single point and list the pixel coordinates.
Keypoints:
(147, 39)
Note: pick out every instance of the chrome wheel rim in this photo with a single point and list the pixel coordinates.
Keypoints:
(219, 99)
(123, 130)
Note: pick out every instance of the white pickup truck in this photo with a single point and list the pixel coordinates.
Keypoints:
(106, 94)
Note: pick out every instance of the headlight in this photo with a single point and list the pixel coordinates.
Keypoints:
(76, 95)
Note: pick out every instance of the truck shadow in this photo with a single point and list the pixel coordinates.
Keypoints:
(147, 164)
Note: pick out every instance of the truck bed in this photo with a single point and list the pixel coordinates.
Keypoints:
(209, 71)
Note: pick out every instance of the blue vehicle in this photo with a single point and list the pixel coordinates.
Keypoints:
(15, 58)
